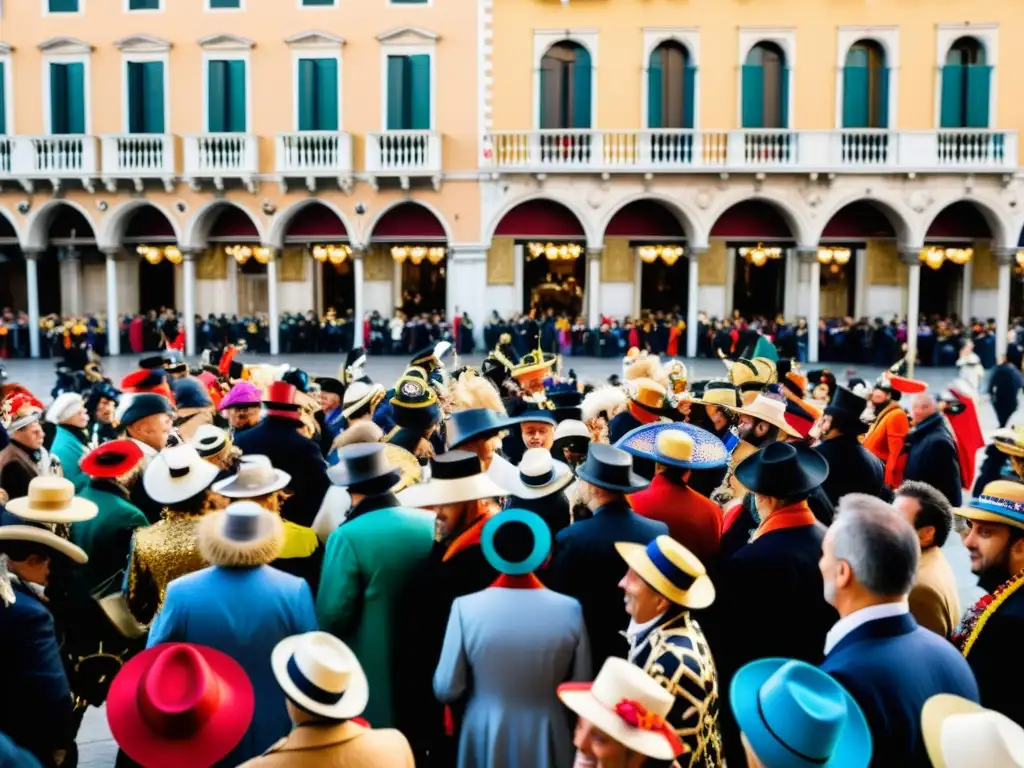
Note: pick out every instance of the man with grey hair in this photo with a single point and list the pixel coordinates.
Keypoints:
(931, 451)
(888, 663)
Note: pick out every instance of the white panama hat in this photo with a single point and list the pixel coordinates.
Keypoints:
(177, 474)
(256, 476)
(538, 475)
(321, 674)
(961, 734)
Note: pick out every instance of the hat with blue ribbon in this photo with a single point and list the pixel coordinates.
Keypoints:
(321, 675)
(1001, 501)
(516, 542)
(677, 445)
(794, 715)
(671, 570)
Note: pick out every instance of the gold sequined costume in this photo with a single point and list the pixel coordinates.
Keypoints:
(160, 554)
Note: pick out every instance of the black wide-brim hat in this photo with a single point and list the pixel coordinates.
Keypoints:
(846, 408)
(463, 426)
(610, 468)
(783, 471)
(365, 468)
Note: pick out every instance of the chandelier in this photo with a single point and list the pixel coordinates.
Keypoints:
(417, 253)
(154, 254)
(670, 254)
(835, 256)
(563, 252)
(242, 253)
(934, 256)
(759, 254)
(335, 254)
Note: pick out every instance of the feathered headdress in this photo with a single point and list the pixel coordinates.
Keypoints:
(19, 410)
(471, 390)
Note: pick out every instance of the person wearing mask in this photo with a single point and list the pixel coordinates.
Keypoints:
(989, 632)
(931, 454)
(934, 599)
(1004, 385)
(242, 406)
(852, 468)
(147, 420)
(888, 431)
(876, 650)
(24, 457)
(538, 484)
(71, 442)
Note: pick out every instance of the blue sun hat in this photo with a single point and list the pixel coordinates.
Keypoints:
(651, 441)
(794, 715)
(516, 542)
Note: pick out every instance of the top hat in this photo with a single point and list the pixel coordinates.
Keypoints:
(111, 459)
(782, 471)
(415, 404)
(795, 715)
(610, 468)
(676, 445)
(769, 408)
(1001, 501)
(364, 468)
(538, 475)
(177, 474)
(629, 706)
(256, 476)
(846, 408)
(455, 477)
(321, 675)
(515, 542)
(243, 395)
(52, 500)
(280, 401)
(463, 426)
(34, 534)
(180, 704)
(957, 732)
(671, 570)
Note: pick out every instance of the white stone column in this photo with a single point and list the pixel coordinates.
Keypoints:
(966, 288)
(1005, 259)
(693, 256)
(113, 325)
(32, 291)
(593, 291)
(273, 320)
(467, 286)
(912, 258)
(71, 282)
(809, 256)
(188, 291)
(791, 281)
(357, 310)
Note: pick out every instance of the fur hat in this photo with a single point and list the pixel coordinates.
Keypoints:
(607, 401)
(472, 390)
(647, 366)
(242, 536)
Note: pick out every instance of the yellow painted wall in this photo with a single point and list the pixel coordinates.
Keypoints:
(620, 65)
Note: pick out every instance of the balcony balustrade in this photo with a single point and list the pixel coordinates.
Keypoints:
(404, 154)
(315, 154)
(220, 156)
(138, 156)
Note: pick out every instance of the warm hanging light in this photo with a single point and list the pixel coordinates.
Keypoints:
(934, 256)
(417, 253)
(400, 253)
(262, 255)
(240, 253)
(959, 255)
(436, 255)
(759, 254)
(553, 252)
(839, 256)
(335, 254)
(1020, 258)
(670, 254)
(154, 254)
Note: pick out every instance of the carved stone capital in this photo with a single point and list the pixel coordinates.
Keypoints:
(1005, 257)
(594, 254)
(32, 254)
(807, 255)
(910, 256)
(696, 251)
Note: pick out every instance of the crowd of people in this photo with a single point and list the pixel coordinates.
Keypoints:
(503, 566)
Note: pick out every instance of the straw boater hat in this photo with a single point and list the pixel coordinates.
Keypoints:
(958, 733)
(455, 477)
(537, 476)
(721, 394)
(52, 500)
(243, 535)
(629, 706)
(177, 474)
(1001, 501)
(768, 409)
(256, 476)
(321, 675)
(671, 570)
(676, 444)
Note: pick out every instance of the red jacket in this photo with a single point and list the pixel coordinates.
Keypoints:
(693, 520)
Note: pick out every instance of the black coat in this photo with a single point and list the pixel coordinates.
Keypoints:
(585, 565)
(618, 427)
(1004, 386)
(279, 440)
(851, 469)
(738, 534)
(932, 458)
(994, 659)
(553, 509)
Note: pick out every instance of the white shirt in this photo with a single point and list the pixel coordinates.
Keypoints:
(634, 631)
(847, 624)
(148, 451)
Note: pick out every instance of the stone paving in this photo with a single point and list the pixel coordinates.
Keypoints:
(97, 749)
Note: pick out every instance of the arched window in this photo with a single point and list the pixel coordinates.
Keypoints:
(670, 83)
(865, 87)
(966, 81)
(765, 88)
(565, 74)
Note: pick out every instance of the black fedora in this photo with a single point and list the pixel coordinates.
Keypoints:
(610, 468)
(463, 426)
(364, 468)
(782, 471)
(845, 410)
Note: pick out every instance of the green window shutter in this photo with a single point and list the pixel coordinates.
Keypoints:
(549, 92)
(307, 95)
(655, 85)
(581, 81)
(951, 114)
(314, 3)
(75, 98)
(216, 96)
(236, 97)
(327, 94)
(979, 78)
(225, 3)
(855, 97)
(784, 97)
(753, 96)
(689, 89)
(419, 92)
(58, 98)
(153, 100)
(3, 99)
(63, 6)
(136, 98)
(144, 5)
(883, 98)
(397, 115)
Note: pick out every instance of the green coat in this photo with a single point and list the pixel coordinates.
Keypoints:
(370, 563)
(107, 537)
(70, 450)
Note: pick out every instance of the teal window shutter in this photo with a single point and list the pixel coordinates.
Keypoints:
(314, 3)
(689, 90)
(3, 99)
(225, 3)
(883, 97)
(979, 78)
(236, 97)
(307, 95)
(58, 98)
(419, 92)
(75, 109)
(550, 93)
(655, 91)
(952, 112)
(327, 94)
(581, 80)
(216, 96)
(783, 97)
(397, 117)
(136, 98)
(144, 5)
(855, 97)
(63, 6)
(153, 119)
(753, 96)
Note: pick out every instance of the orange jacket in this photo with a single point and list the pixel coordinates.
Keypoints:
(885, 440)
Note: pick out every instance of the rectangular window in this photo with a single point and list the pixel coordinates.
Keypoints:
(409, 2)
(143, 5)
(318, 94)
(145, 97)
(408, 93)
(226, 105)
(218, 4)
(62, 6)
(317, 3)
(67, 98)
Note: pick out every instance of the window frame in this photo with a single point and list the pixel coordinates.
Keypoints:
(689, 38)
(7, 60)
(785, 39)
(543, 39)
(988, 36)
(329, 53)
(889, 40)
(129, 57)
(85, 59)
(161, 7)
(48, 12)
(407, 49)
(213, 54)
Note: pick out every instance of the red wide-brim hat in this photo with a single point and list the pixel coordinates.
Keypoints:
(136, 732)
(907, 386)
(111, 460)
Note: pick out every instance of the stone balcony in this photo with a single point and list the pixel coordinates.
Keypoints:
(403, 155)
(217, 157)
(314, 155)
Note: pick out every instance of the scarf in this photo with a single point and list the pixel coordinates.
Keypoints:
(974, 620)
(37, 454)
(796, 515)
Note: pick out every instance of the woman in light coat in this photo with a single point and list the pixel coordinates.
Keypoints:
(507, 649)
